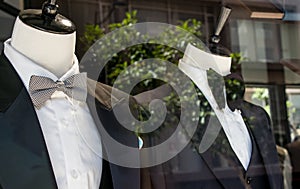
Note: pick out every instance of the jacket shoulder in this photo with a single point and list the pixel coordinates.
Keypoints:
(10, 83)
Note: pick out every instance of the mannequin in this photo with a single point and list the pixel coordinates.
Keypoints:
(195, 64)
(43, 45)
(55, 52)
(238, 152)
(57, 143)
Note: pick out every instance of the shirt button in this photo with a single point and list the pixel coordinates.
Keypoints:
(64, 122)
(74, 174)
(73, 111)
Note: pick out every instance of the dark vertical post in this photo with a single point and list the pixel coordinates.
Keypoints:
(278, 107)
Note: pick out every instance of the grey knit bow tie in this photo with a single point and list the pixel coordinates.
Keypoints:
(41, 88)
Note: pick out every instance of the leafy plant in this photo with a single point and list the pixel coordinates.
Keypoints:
(236, 59)
(166, 49)
(134, 55)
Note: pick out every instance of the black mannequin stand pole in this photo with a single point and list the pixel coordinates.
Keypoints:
(215, 39)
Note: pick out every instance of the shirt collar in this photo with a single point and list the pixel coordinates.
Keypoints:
(203, 60)
(25, 67)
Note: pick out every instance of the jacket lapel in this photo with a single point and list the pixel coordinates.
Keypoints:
(221, 160)
(101, 102)
(24, 155)
(258, 123)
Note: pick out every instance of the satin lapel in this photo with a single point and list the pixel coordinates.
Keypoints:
(101, 102)
(258, 123)
(220, 158)
(24, 159)
(102, 94)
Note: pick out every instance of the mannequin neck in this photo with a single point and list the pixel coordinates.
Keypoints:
(54, 52)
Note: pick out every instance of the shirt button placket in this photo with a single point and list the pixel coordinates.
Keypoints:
(73, 111)
(65, 122)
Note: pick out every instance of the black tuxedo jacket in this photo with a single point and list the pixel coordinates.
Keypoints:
(212, 169)
(24, 159)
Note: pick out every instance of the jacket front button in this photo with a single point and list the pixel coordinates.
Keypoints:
(249, 179)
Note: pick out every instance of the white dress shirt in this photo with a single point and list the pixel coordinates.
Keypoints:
(232, 121)
(72, 139)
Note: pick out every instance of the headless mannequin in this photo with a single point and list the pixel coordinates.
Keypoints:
(195, 64)
(54, 52)
(44, 45)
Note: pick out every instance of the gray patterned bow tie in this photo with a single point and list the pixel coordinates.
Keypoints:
(41, 88)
